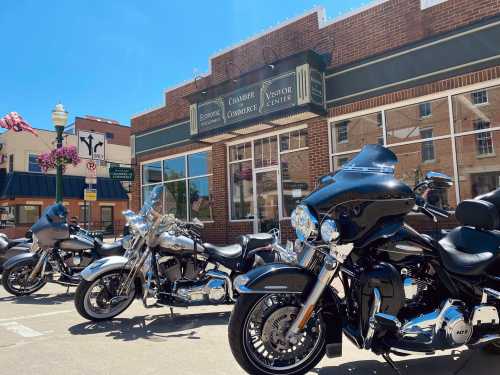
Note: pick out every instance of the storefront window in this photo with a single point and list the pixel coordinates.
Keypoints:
(175, 199)
(416, 159)
(151, 173)
(27, 214)
(187, 185)
(478, 166)
(286, 153)
(174, 169)
(294, 179)
(418, 121)
(476, 110)
(33, 165)
(353, 134)
(241, 181)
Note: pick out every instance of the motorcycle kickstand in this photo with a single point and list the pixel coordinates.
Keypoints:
(391, 363)
(171, 312)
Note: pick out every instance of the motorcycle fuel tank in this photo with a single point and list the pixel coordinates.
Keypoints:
(76, 243)
(178, 244)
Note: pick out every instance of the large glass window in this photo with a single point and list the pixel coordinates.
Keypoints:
(415, 161)
(287, 152)
(417, 121)
(241, 181)
(475, 109)
(187, 183)
(353, 134)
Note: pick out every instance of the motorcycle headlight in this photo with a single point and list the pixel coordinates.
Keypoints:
(329, 231)
(304, 222)
(138, 225)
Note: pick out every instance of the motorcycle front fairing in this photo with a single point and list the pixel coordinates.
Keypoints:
(362, 193)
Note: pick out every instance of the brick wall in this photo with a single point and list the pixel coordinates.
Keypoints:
(378, 29)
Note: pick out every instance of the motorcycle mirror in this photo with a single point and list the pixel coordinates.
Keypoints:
(437, 180)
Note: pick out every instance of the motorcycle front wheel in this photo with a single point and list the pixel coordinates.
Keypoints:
(15, 280)
(257, 331)
(98, 300)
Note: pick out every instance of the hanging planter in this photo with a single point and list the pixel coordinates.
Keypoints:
(66, 155)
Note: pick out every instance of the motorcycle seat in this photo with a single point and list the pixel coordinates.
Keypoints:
(230, 251)
(468, 251)
(253, 241)
(107, 249)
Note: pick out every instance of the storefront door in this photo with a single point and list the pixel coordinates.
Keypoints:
(267, 199)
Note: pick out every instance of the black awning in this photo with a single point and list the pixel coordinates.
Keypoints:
(25, 184)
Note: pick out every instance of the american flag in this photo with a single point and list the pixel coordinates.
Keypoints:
(14, 121)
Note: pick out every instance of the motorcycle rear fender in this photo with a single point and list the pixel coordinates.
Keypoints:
(289, 279)
(100, 266)
(12, 262)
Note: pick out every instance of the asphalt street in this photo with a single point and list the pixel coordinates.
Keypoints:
(43, 334)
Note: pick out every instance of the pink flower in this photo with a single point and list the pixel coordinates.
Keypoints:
(64, 156)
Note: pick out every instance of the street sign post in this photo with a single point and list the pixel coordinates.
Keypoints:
(121, 173)
(91, 145)
(90, 195)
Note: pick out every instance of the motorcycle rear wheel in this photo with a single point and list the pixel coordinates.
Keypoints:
(86, 292)
(255, 360)
(14, 280)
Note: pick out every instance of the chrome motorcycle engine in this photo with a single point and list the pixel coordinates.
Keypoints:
(445, 328)
(76, 259)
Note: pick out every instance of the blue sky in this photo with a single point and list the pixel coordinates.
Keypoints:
(115, 58)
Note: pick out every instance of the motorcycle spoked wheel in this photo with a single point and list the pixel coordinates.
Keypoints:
(93, 299)
(257, 331)
(15, 280)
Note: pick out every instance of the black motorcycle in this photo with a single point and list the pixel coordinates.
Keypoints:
(404, 292)
(58, 253)
(168, 264)
(10, 247)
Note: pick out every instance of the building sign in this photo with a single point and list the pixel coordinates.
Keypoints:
(249, 102)
(90, 195)
(121, 173)
(91, 145)
(317, 93)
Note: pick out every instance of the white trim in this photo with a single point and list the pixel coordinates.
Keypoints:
(454, 149)
(402, 53)
(415, 78)
(176, 155)
(269, 134)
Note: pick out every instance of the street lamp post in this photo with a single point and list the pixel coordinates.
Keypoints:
(59, 118)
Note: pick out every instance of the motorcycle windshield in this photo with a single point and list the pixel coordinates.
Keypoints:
(153, 201)
(368, 176)
(372, 159)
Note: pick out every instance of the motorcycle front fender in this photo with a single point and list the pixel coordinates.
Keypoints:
(100, 266)
(275, 278)
(12, 262)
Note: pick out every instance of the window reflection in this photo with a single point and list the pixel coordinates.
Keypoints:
(353, 134)
(295, 179)
(151, 173)
(241, 181)
(199, 198)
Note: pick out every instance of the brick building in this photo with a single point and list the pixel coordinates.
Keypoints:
(240, 146)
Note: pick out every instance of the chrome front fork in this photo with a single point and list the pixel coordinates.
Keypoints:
(39, 266)
(325, 277)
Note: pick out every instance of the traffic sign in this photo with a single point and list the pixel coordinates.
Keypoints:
(121, 173)
(91, 171)
(90, 195)
(91, 145)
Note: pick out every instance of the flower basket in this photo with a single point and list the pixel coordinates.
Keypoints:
(66, 155)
